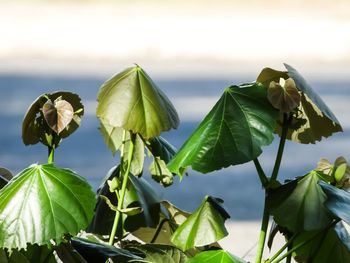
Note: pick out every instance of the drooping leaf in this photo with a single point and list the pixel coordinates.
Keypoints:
(99, 252)
(139, 194)
(160, 172)
(205, 226)
(138, 157)
(157, 253)
(329, 245)
(132, 101)
(233, 132)
(35, 128)
(159, 147)
(113, 136)
(338, 201)
(299, 204)
(5, 176)
(215, 256)
(43, 203)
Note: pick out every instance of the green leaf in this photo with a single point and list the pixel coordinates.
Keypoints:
(138, 194)
(66, 253)
(33, 253)
(205, 226)
(215, 256)
(233, 132)
(160, 172)
(113, 136)
(159, 147)
(329, 245)
(43, 203)
(5, 176)
(132, 101)
(157, 253)
(35, 128)
(338, 201)
(299, 204)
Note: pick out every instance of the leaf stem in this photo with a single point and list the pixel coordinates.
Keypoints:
(125, 175)
(263, 178)
(51, 155)
(286, 245)
(277, 165)
(263, 231)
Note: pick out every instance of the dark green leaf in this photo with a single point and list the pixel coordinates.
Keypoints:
(233, 132)
(329, 245)
(33, 253)
(161, 148)
(66, 253)
(338, 201)
(5, 176)
(43, 203)
(156, 253)
(160, 172)
(299, 204)
(34, 126)
(205, 226)
(132, 101)
(215, 256)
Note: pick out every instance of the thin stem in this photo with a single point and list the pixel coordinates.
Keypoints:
(51, 155)
(262, 237)
(159, 228)
(286, 245)
(263, 178)
(125, 175)
(280, 147)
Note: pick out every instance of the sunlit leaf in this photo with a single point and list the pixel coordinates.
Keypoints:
(233, 132)
(157, 253)
(43, 203)
(215, 256)
(132, 101)
(35, 128)
(329, 245)
(205, 226)
(113, 136)
(299, 204)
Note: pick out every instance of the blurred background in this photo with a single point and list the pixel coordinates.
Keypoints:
(192, 50)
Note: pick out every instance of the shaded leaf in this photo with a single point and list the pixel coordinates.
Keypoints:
(132, 101)
(43, 203)
(299, 204)
(66, 253)
(159, 147)
(338, 201)
(35, 128)
(160, 172)
(5, 176)
(329, 245)
(157, 253)
(215, 256)
(205, 226)
(233, 132)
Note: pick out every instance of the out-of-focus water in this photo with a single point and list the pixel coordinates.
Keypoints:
(86, 153)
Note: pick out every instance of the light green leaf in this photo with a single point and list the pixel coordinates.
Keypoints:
(299, 204)
(329, 245)
(132, 101)
(160, 172)
(233, 132)
(205, 226)
(113, 136)
(43, 203)
(215, 256)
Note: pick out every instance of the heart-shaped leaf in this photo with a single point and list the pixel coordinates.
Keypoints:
(36, 129)
(299, 204)
(132, 101)
(43, 203)
(204, 227)
(233, 132)
(58, 114)
(215, 256)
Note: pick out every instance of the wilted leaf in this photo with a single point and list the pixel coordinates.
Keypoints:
(215, 256)
(160, 172)
(205, 226)
(159, 147)
(43, 203)
(233, 132)
(132, 101)
(299, 204)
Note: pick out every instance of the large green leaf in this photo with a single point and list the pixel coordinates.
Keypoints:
(132, 101)
(35, 128)
(157, 253)
(43, 203)
(215, 256)
(338, 201)
(329, 245)
(233, 132)
(139, 194)
(205, 226)
(299, 204)
(314, 119)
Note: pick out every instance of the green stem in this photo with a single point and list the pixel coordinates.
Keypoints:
(125, 175)
(279, 252)
(262, 237)
(263, 178)
(280, 147)
(51, 155)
